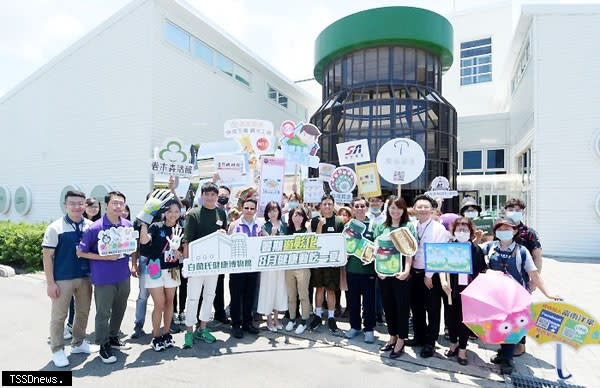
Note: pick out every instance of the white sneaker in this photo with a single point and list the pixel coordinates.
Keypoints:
(289, 326)
(300, 329)
(85, 347)
(68, 332)
(60, 359)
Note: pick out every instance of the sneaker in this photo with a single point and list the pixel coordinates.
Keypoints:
(68, 332)
(181, 318)
(137, 332)
(237, 332)
(301, 327)
(289, 326)
(205, 335)
(85, 347)
(279, 326)
(168, 340)
(116, 343)
(369, 337)
(188, 340)
(251, 329)
(316, 322)
(332, 325)
(174, 329)
(158, 344)
(352, 333)
(59, 358)
(106, 354)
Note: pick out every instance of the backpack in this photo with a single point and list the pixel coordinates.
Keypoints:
(518, 249)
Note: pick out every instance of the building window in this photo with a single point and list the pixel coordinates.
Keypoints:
(476, 61)
(277, 97)
(472, 160)
(242, 75)
(177, 37)
(495, 159)
(522, 63)
(224, 64)
(202, 51)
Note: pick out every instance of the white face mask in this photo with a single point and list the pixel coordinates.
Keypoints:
(375, 211)
(515, 216)
(316, 214)
(462, 236)
(471, 214)
(504, 235)
(412, 218)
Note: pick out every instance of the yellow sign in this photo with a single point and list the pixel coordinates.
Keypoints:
(368, 180)
(562, 322)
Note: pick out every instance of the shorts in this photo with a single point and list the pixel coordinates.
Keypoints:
(328, 277)
(169, 278)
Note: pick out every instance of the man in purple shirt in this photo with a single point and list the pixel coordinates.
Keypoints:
(110, 277)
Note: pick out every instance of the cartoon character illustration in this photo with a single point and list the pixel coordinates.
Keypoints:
(509, 330)
(153, 269)
(301, 145)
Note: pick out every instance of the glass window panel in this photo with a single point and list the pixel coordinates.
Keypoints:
(371, 65)
(224, 64)
(177, 37)
(337, 80)
(272, 94)
(495, 159)
(383, 63)
(472, 160)
(484, 78)
(398, 63)
(475, 43)
(358, 67)
(202, 51)
(476, 51)
(484, 69)
(466, 80)
(467, 71)
(282, 100)
(421, 67)
(466, 62)
(242, 75)
(410, 64)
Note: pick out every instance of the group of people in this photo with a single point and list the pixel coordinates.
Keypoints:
(167, 224)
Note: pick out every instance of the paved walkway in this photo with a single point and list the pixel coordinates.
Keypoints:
(289, 360)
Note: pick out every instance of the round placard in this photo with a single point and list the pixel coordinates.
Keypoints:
(23, 200)
(400, 161)
(4, 199)
(343, 180)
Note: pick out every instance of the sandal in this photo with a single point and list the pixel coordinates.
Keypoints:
(387, 347)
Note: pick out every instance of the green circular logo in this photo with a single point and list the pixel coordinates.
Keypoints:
(23, 200)
(4, 199)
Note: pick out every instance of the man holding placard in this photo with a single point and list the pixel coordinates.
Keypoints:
(109, 269)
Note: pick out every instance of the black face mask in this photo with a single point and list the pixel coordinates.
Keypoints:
(223, 200)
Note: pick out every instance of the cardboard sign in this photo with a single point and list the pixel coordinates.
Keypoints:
(343, 180)
(117, 241)
(344, 198)
(356, 244)
(440, 188)
(219, 253)
(368, 180)
(325, 171)
(256, 137)
(353, 152)
(388, 260)
(400, 161)
(565, 323)
(448, 257)
(174, 158)
(233, 169)
(271, 181)
(485, 224)
(301, 145)
(313, 190)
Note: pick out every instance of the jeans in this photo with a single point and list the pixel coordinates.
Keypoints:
(142, 300)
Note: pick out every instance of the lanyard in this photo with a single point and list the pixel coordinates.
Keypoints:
(424, 230)
(77, 227)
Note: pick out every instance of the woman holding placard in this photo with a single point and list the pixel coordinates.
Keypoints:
(272, 295)
(463, 231)
(395, 289)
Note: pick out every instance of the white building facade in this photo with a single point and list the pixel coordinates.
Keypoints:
(528, 117)
(89, 119)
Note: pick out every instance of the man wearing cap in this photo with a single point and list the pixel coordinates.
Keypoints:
(526, 236)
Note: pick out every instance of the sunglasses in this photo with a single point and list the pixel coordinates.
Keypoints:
(249, 208)
(359, 206)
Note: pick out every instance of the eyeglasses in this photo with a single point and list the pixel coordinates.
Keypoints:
(249, 208)
(116, 203)
(75, 204)
(360, 206)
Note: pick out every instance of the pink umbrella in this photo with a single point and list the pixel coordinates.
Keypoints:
(497, 308)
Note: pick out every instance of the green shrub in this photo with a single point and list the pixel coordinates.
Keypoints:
(21, 245)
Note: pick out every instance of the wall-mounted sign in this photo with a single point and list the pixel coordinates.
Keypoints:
(61, 199)
(23, 200)
(400, 161)
(356, 151)
(4, 199)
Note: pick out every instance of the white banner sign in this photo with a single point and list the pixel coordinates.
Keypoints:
(232, 169)
(271, 181)
(356, 151)
(313, 190)
(341, 197)
(219, 253)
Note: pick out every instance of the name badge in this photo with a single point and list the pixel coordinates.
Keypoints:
(330, 229)
(219, 222)
(463, 279)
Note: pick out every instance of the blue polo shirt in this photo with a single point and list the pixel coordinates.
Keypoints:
(63, 235)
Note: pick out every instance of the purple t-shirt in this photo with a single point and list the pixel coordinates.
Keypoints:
(104, 272)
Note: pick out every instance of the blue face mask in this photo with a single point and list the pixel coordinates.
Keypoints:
(504, 235)
(515, 216)
(292, 204)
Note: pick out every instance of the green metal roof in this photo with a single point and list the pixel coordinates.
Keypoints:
(406, 26)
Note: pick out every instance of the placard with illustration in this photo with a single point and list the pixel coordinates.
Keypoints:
(174, 158)
(356, 244)
(117, 241)
(388, 260)
(368, 180)
(448, 257)
(300, 145)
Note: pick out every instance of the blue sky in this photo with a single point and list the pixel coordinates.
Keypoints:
(34, 31)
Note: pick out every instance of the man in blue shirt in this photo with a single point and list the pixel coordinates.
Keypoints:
(67, 276)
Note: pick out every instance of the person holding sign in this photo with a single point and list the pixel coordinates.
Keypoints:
(272, 294)
(110, 276)
(463, 231)
(395, 290)
(328, 278)
(361, 282)
(199, 222)
(162, 276)
(426, 291)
